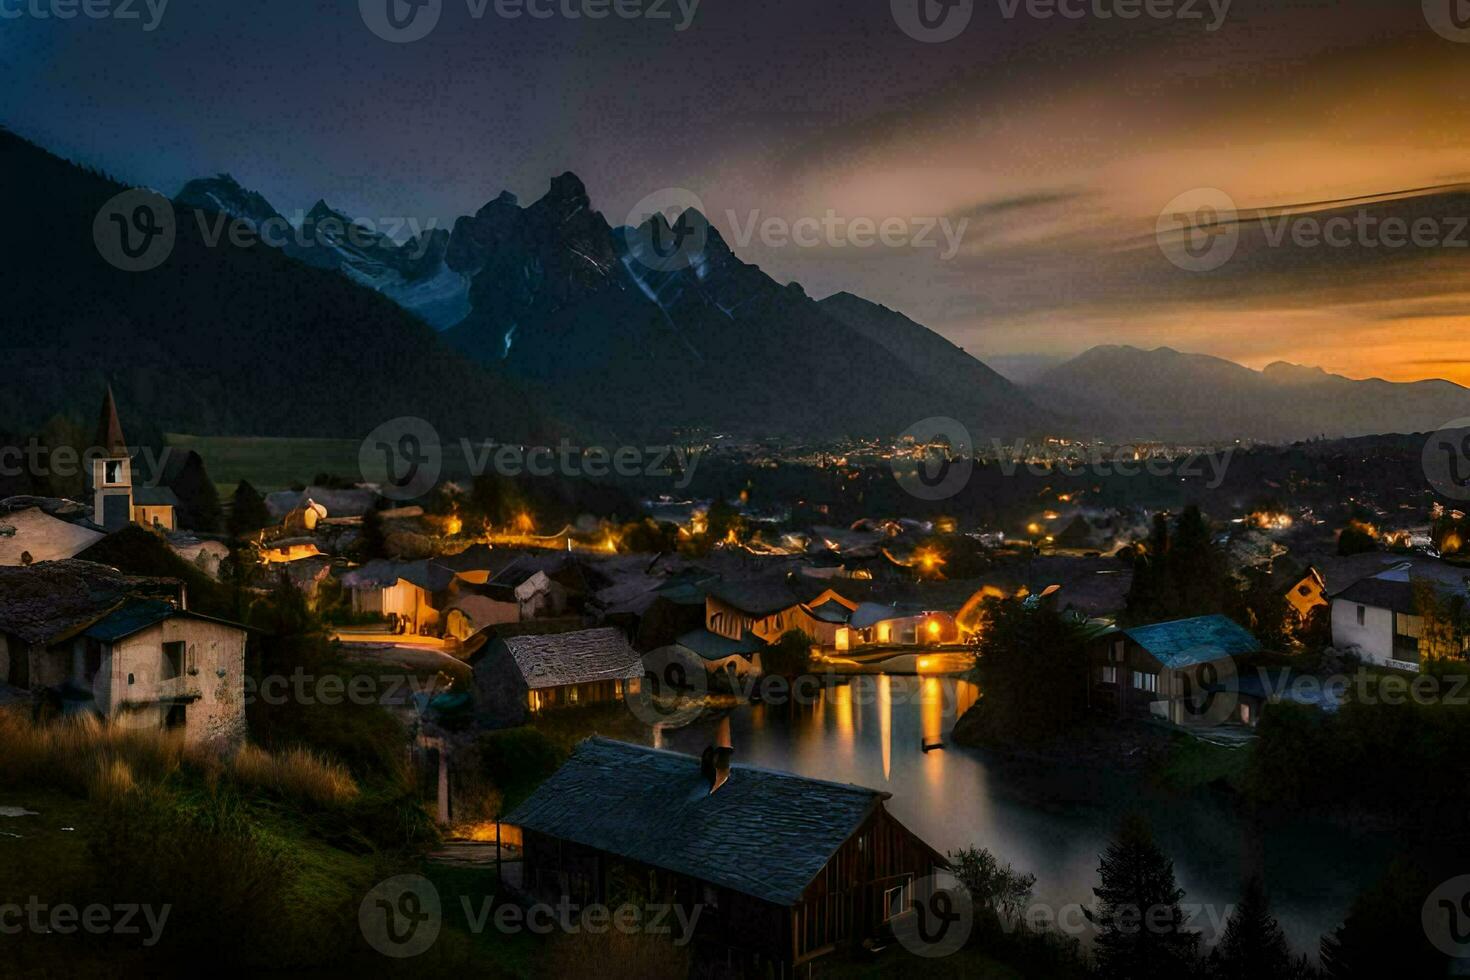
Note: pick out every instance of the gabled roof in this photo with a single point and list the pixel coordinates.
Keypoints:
(137, 615)
(1394, 589)
(154, 497)
(871, 613)
(764, 833)
(757, 597)
(579, 657)
(831, 611)
(714, 647)
(46, 538)
(51, 601)
(428, 575)
(1187, 642)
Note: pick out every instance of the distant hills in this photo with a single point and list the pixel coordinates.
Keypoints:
(522, 321)
(1127, 393)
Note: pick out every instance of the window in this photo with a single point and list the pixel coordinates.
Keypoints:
(1361, 614)
(1110, 675)
(897, 901)
(1146, 682)
(173, 660)
(112, 472)
(1116, 654)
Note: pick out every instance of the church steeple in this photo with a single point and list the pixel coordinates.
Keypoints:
(109, 429)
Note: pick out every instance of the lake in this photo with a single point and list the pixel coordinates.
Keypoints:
(1049, 820)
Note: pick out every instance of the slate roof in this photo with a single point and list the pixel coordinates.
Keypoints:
(764, 833)
(50, 601)
(579, 657)
(871, 613)
(1381, 593)
(428, 574)
(1187, 642)
(758, 597)
(714, 647)
(832, 611)
(154, 497)
(138, 614)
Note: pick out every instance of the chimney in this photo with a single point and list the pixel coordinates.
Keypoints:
(714, 763)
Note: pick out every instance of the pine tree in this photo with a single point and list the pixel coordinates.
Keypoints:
(1383, 935)
(1141, 928)
(1253, 947)
(248, 512)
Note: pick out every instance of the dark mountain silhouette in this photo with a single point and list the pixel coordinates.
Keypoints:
(1127, 393)
(218, 339)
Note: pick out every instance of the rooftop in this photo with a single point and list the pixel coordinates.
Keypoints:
(578, 657)
(764, 833)
(1187, 642)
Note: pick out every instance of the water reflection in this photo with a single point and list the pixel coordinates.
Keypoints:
(893, 733)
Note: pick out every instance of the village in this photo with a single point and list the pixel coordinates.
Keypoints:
(626, 654)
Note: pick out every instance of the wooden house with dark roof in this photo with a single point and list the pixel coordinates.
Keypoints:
(518, 676)
(1168, 670)
(782, 868)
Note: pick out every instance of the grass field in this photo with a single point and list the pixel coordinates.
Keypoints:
(269, 463)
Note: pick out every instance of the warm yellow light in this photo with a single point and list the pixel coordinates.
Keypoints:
(933, 627)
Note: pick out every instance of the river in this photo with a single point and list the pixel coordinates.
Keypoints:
(1049, 820)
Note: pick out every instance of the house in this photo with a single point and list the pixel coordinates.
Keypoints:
(126, 648)
(519, 676)
(1307, 591)
(472, 610)
(115, 501)
(769, 608)
(1171, 670)
(874, 624)
(31, 531)
(722, 655)
(408, 593)
(785, 869)
(1380, 617)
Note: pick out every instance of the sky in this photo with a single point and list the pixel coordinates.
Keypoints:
(1019, 169)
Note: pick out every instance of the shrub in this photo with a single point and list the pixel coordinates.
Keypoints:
(615, 955)
(295, 774)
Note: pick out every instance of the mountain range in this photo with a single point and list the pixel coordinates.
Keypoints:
(544, 318)
(1127, 393)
